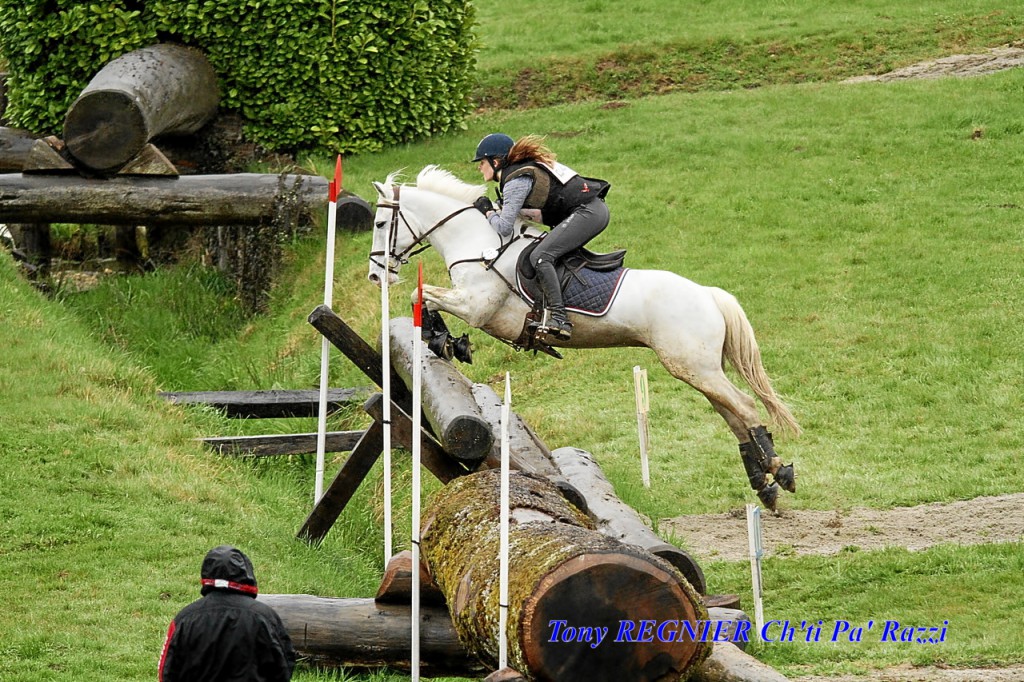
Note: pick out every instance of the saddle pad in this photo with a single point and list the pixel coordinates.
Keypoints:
(588, 292)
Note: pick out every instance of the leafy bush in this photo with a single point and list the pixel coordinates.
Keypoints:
(344, 75)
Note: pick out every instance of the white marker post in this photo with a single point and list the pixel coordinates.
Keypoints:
(756, 553)
(643, 406)
(417, 399)
(506, 412)
(385, 354)
(325, 347)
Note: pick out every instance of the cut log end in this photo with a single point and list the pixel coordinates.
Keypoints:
(104, 129)
(614, 591)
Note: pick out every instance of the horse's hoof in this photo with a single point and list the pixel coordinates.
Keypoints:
(786, 477)
(768, 496)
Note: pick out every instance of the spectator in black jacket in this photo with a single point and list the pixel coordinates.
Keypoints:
(227, 635)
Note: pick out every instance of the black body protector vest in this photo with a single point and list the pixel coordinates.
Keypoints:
(557, 190)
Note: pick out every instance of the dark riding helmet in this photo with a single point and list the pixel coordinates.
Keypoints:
(494, 146)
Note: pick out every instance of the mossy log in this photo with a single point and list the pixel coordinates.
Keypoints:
(560, 569)
(158, 90)
(448, 402)
(617, 519)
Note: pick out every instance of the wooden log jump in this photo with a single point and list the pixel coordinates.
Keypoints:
(448, 402)
(561, 570)
(158, 90)
(617, 519)
(363, 633)
(199, 200)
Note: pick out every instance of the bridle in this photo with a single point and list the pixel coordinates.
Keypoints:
(403, 256)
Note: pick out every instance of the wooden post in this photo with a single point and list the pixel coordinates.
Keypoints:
(563, 571)
(328, 507)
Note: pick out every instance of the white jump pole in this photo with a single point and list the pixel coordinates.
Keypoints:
(417, 399)
(325, 346)
(643, 406)
(754, 544)
(385, 353)
(506, 411)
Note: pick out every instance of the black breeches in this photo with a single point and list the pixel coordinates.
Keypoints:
(585, 223)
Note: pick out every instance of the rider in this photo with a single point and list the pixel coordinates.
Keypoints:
(571, 205)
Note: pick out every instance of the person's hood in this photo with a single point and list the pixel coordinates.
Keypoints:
(228, 568)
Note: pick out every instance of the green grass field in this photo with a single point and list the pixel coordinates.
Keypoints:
(872, 233)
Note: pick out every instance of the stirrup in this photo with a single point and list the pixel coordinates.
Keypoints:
(554, 327)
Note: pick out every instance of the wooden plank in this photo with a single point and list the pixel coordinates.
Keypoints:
(432, 455)
(269, 404)
(282, 444)
(344, 485)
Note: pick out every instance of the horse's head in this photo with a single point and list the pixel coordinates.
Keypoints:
(408, 218)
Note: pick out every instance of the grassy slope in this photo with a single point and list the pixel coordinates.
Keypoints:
(874, 245)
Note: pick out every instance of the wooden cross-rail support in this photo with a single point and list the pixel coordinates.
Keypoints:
(270, 404)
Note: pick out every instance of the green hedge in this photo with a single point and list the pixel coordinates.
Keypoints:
(341, 75)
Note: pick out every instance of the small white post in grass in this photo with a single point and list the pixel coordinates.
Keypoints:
(325, 347)
(385, 354)
(417, 399)
(506, 412)
(643, 406)
(756, 553)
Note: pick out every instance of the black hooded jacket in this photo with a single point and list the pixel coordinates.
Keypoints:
(227, 635)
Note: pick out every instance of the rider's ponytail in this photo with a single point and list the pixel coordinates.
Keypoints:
(530, 148)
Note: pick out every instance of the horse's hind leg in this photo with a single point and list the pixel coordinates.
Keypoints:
(757, 450)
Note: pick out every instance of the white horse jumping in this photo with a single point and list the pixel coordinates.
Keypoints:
(692, 328)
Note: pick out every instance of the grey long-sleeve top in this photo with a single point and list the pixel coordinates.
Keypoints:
(513, 197)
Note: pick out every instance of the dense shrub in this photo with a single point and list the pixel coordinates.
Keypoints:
(345, 75)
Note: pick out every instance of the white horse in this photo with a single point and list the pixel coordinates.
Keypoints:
(692, 328)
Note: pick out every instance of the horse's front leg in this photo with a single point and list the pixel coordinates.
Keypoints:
(459, 302)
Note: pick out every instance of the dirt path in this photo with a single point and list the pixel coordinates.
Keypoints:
(990, 61)
(908, 673)
(802, 532)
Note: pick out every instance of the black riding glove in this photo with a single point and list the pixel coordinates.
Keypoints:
(483, 204)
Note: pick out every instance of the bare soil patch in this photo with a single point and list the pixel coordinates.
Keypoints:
(811, 532)
(963, 65)
(909, 673)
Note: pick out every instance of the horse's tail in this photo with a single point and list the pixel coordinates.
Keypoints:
(742, 351)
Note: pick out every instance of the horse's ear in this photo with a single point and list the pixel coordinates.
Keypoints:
(380, 189)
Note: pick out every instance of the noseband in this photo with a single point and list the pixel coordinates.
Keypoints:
(408, 252)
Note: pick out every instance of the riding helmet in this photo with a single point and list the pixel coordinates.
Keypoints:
(493, 146)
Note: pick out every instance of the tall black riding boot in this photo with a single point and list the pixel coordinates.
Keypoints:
(557, 325)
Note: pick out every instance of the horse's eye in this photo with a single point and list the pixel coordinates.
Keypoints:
(380, 224)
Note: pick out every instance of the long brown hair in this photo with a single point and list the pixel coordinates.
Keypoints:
(530, 148)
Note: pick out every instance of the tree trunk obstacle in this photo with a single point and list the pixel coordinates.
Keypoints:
(561, 571)
(195, 200)
(158, 90)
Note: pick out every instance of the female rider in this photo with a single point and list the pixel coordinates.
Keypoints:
(571, 205)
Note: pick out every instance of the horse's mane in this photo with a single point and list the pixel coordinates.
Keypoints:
(436, 179)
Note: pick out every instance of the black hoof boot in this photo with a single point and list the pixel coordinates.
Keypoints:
(786, 477)
(768, 496)
(755, 474)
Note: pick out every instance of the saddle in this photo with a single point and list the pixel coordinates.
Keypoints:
(589, 283)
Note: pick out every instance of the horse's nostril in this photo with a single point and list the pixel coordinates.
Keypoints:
(374, 278)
